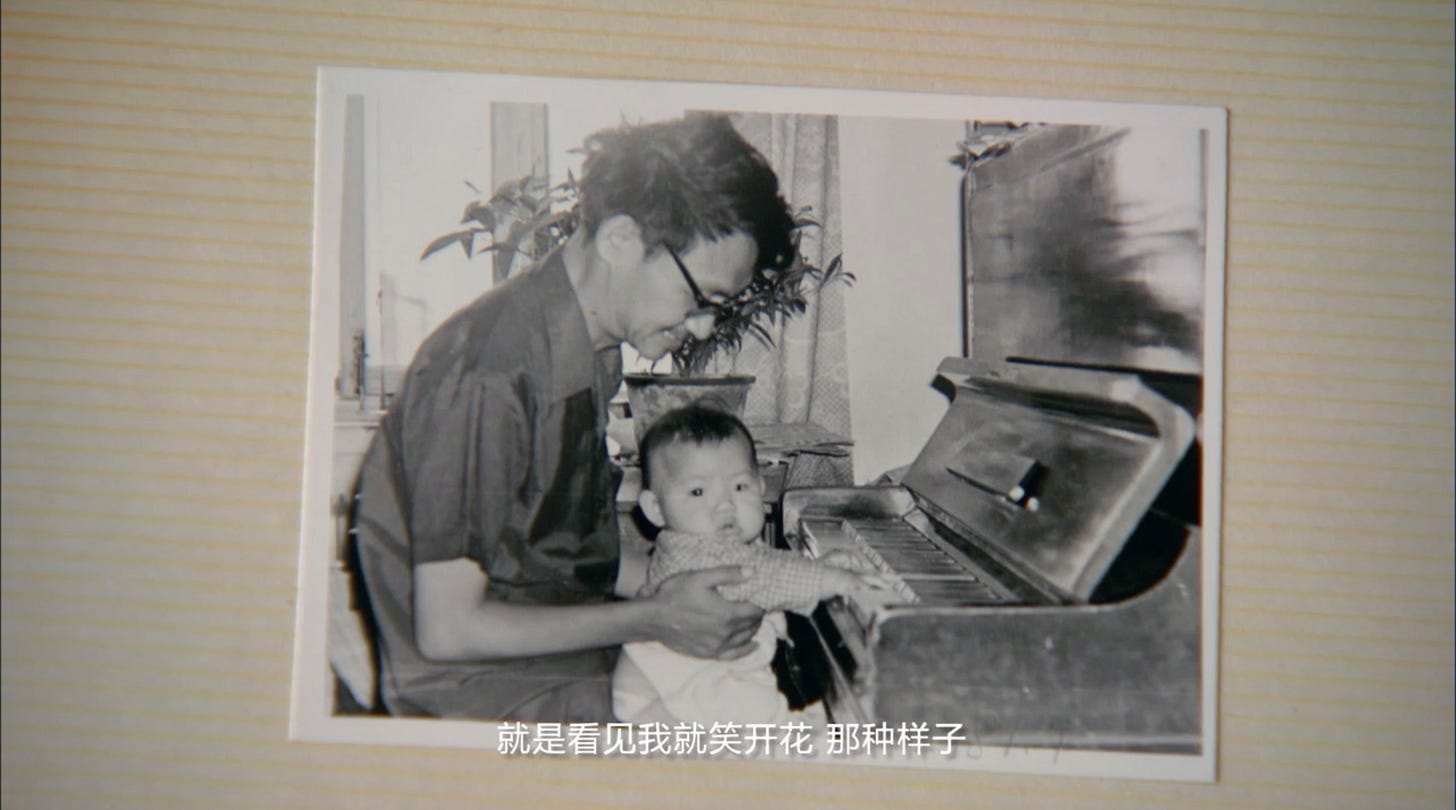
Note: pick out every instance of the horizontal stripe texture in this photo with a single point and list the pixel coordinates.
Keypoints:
(154, 313)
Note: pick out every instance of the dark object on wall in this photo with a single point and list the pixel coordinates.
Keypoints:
(1086, 247)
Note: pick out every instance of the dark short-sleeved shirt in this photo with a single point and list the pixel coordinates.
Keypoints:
(494, 450)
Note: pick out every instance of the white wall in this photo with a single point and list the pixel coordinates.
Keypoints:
(421, 145)
(902, 232)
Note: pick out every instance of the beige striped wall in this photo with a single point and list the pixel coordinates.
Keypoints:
(157, 178)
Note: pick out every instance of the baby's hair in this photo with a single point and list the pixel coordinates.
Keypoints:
(696, 423)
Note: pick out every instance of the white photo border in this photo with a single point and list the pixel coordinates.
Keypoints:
(311, 716)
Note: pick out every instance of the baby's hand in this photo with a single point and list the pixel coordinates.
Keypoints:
(840, 582)
(848, 560)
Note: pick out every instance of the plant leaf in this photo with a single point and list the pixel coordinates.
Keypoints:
(764, 336)
(465, 238)
(479, 212)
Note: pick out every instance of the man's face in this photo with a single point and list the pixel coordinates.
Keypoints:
(664, 312)
(711, 488)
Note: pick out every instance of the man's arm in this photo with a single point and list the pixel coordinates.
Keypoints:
(633, 559)
(777, 579)
(455, 622)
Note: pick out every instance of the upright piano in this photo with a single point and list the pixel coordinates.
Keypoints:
(1044, 551)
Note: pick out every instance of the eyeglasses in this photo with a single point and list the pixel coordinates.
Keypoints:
(706, 305)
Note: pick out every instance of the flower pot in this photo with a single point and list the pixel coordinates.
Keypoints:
(652, 395)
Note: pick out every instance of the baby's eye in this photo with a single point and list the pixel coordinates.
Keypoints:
(696, 492)
(740, 487)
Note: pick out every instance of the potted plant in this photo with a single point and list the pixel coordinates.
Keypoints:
(528, 218)
(524, 219)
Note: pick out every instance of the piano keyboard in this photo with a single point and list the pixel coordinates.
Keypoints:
(921, 571)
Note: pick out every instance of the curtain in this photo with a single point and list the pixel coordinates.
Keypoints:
(804, 377)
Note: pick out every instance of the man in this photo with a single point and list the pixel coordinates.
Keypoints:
(486, 515)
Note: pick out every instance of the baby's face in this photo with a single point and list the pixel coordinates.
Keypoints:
(709, 488)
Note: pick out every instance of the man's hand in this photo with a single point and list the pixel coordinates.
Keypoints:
(694, 619)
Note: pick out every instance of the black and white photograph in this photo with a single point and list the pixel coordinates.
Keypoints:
(853, 427)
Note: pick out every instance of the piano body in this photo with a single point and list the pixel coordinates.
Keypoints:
(1043, 595)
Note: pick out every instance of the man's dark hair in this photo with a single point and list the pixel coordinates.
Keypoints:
(684, 179)
(697, 424)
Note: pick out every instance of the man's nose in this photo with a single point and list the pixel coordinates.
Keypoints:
(699, 324)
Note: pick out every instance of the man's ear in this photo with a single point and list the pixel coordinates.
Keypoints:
(618, 242)
(651, 507)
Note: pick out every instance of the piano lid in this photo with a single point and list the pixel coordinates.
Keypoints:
(1049, 468)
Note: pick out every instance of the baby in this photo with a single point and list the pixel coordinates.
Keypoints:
(701, 485)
